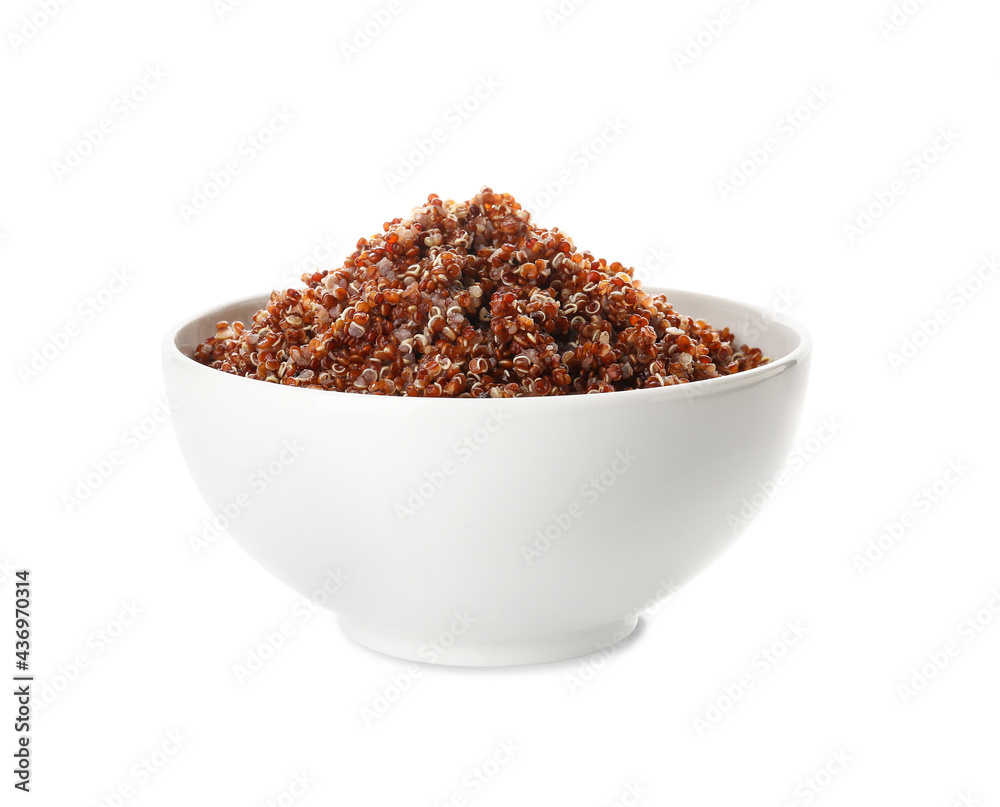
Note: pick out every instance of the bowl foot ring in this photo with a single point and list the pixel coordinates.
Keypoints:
(465, 651)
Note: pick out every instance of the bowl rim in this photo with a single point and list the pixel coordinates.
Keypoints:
(705, 387)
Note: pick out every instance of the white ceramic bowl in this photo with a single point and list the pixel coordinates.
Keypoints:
(482, 531)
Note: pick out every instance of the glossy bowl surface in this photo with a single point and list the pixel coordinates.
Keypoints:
(488, 531)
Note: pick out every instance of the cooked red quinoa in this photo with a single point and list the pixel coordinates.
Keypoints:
(470, 299)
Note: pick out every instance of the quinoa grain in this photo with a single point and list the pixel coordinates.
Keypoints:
(470, 299)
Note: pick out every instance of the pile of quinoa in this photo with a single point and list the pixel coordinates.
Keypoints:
(471, 299)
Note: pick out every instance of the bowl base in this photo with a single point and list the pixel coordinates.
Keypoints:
(466, 652)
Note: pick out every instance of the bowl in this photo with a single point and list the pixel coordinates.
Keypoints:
(488, 531)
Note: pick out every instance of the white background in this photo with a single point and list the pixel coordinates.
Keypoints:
(892, 427)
